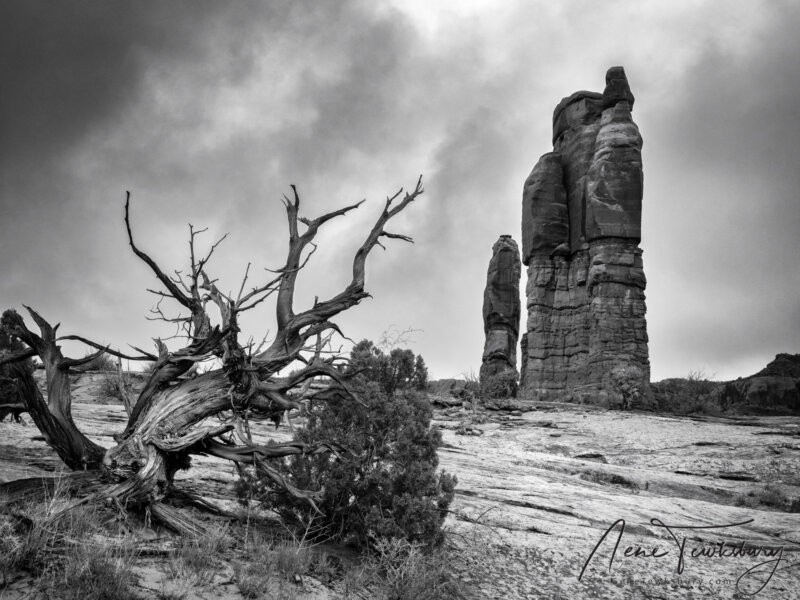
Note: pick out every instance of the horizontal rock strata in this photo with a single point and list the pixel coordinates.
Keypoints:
(586, 337)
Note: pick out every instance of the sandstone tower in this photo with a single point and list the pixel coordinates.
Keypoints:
(501, 316)
(586, 337)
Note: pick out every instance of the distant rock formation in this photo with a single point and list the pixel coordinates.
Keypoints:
(773, 390)
(586, 338)
(501, 315)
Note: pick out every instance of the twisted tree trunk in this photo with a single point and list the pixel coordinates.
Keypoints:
(53, 417)
(164, 425)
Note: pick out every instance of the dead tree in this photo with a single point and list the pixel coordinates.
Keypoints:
(164, 425)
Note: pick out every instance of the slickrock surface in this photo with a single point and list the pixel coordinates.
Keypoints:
(586, 338)
(537, 491)
(501, 311)
(543, 487)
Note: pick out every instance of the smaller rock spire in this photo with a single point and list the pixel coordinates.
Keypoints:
(501, 315)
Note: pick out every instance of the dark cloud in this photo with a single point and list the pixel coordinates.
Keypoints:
(69, 67)
(111, 96)
(727, 193)
(207, 111)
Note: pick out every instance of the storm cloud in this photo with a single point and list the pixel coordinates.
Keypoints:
(208, 111)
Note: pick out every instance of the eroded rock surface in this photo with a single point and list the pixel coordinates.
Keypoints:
(586, 338)
(536, 492)
(501, 316)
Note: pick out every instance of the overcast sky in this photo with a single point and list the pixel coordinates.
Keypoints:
(208, 111)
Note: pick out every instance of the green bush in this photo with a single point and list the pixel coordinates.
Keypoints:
(398, 370)
(405, 572)
(382, 484)
(683, 396)
(92, 574)
(504, 384)
(626, 385)
(770, 495)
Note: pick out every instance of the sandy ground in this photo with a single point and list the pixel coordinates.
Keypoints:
(538, 491)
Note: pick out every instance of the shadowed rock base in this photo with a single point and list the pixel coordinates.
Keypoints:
(586, 338)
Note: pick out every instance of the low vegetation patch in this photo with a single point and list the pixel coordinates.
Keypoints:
(196, 560)
(92, 573)
(62, 548)
(504, 384)
(602, 478)
(397, 569)
(688, 395)
(770, 496)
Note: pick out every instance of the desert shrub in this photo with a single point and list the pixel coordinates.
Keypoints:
(603, 477)
(11, 545)
(383, 481)
(197, 559)
(398, 370)
(56, 542)
(45, 532)
(405, 571)
(626, 383)
(770, 495)
(272, 564)
(93, 574)
(114, 385)
(500, 385)
(682, 396)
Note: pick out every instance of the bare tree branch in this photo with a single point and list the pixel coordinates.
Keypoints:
(297, 243)
(79, 362)
(143, 355)
(168, 283)
(289, 339)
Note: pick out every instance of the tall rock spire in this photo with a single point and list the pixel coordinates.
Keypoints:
(586, 338)
(501, 316)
